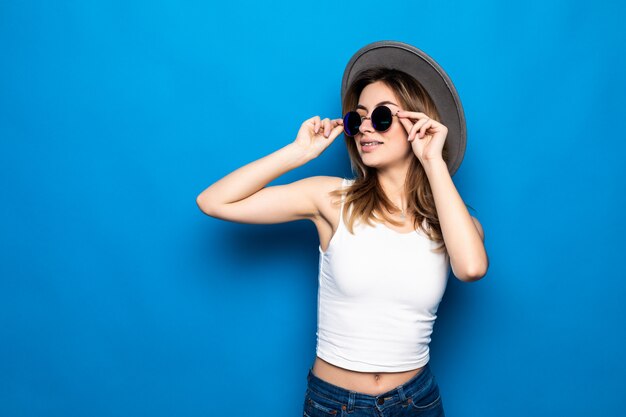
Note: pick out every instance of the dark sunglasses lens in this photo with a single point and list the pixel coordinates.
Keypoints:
(351, 123)
(381, 118)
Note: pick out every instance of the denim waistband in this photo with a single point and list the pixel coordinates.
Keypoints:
(356, 399)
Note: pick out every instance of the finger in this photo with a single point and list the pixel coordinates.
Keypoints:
(326, 123)
(422, 125)
(423, 128)
(413, 132)
(418, 129)
(411, 114)
(316, 124)
(427, 125)
(336, 131)
(407, 124)
(334, 123)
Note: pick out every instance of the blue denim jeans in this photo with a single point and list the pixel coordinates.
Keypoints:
(419, 396)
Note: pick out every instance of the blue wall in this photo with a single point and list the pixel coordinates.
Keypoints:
(119, 297)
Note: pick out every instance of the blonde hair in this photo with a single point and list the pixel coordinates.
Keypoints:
(365, 199)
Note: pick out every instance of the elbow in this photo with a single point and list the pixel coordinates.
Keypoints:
(473, 273)
(203, 206)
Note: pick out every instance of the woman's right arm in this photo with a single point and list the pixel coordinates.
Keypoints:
(242, 195)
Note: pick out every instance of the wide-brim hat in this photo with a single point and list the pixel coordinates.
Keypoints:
(407, 58)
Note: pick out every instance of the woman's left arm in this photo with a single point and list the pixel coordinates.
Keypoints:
(462, 233)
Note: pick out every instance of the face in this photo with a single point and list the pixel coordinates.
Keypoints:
(393, 147)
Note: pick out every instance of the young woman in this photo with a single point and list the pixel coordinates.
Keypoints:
(388, 237)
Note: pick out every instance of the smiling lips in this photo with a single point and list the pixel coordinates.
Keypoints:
(369, 145)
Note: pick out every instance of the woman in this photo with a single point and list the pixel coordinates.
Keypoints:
(387, 238)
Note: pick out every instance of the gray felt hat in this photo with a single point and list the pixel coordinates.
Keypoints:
(407, 58)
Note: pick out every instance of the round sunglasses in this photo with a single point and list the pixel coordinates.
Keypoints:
(381, 120)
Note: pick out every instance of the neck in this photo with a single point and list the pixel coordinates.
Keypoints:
(392, 181)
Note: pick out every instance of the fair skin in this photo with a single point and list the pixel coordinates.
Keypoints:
(243, 196)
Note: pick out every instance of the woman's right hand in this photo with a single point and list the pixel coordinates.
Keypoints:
(316, 135)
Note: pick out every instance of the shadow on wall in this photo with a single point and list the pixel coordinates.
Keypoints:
(292, 243)
(458, 313)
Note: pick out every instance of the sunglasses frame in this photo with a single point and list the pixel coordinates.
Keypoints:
(375, 123)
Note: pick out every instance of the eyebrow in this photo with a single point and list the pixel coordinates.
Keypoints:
(360, 106)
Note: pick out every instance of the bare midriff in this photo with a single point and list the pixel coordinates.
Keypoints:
(371, 383)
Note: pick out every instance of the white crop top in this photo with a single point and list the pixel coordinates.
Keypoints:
(378, 294)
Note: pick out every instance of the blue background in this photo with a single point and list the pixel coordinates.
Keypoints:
(119, 297)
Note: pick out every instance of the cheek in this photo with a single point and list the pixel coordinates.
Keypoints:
(397, 135)
(399, 130)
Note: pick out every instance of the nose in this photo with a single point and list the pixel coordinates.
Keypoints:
(366, 125)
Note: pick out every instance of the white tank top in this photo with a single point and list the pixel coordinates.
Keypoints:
(378, 294)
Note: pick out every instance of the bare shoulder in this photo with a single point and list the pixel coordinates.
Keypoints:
(322, 186)
(328, 209)
(479, 227)
(325, 184)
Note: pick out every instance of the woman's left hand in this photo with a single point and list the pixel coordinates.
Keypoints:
(426, 135)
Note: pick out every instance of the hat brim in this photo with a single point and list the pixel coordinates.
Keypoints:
(407, 58)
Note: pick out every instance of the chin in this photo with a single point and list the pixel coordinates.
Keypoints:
(372, 163)
(378, 162)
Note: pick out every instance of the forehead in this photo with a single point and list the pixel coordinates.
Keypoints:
(375, 93)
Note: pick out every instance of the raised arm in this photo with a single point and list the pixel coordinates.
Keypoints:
(462, 233)
(242, 195)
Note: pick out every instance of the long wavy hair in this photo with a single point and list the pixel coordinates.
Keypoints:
(365, 199)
